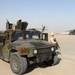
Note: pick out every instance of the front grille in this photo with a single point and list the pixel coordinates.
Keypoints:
(44, 57)
(44, 50)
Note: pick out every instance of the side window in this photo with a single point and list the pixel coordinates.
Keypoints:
(45, 36)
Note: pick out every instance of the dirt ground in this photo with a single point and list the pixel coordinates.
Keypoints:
(64, 66)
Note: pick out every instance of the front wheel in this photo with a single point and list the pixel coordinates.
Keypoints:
(18, 64)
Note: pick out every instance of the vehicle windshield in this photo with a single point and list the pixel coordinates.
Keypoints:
(31, 36)
(16, 36)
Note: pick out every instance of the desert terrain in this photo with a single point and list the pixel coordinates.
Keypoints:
(64, 66)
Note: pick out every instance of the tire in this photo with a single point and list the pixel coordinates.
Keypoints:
(49, 62)
(18, 64)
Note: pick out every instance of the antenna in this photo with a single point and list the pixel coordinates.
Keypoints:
(43, 28)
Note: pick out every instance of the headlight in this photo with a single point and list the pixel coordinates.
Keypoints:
(52, 49)
(35, 51)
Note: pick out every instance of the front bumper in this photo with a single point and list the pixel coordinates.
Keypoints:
(57, 57)
(43, 54)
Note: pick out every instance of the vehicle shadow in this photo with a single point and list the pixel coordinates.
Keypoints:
(41, 65)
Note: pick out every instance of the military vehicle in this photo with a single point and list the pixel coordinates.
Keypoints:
(21, 46)
(72, 32)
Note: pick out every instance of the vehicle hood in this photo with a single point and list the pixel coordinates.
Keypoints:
(31, 43)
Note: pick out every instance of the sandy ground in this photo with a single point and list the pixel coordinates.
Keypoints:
(65, 65)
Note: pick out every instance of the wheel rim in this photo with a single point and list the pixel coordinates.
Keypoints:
(15, 64)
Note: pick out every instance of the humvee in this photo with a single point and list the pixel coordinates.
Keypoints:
(21, 46)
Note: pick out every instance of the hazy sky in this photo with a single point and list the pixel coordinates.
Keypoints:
(56, 15)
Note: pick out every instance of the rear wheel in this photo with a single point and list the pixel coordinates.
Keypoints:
(18, 64)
